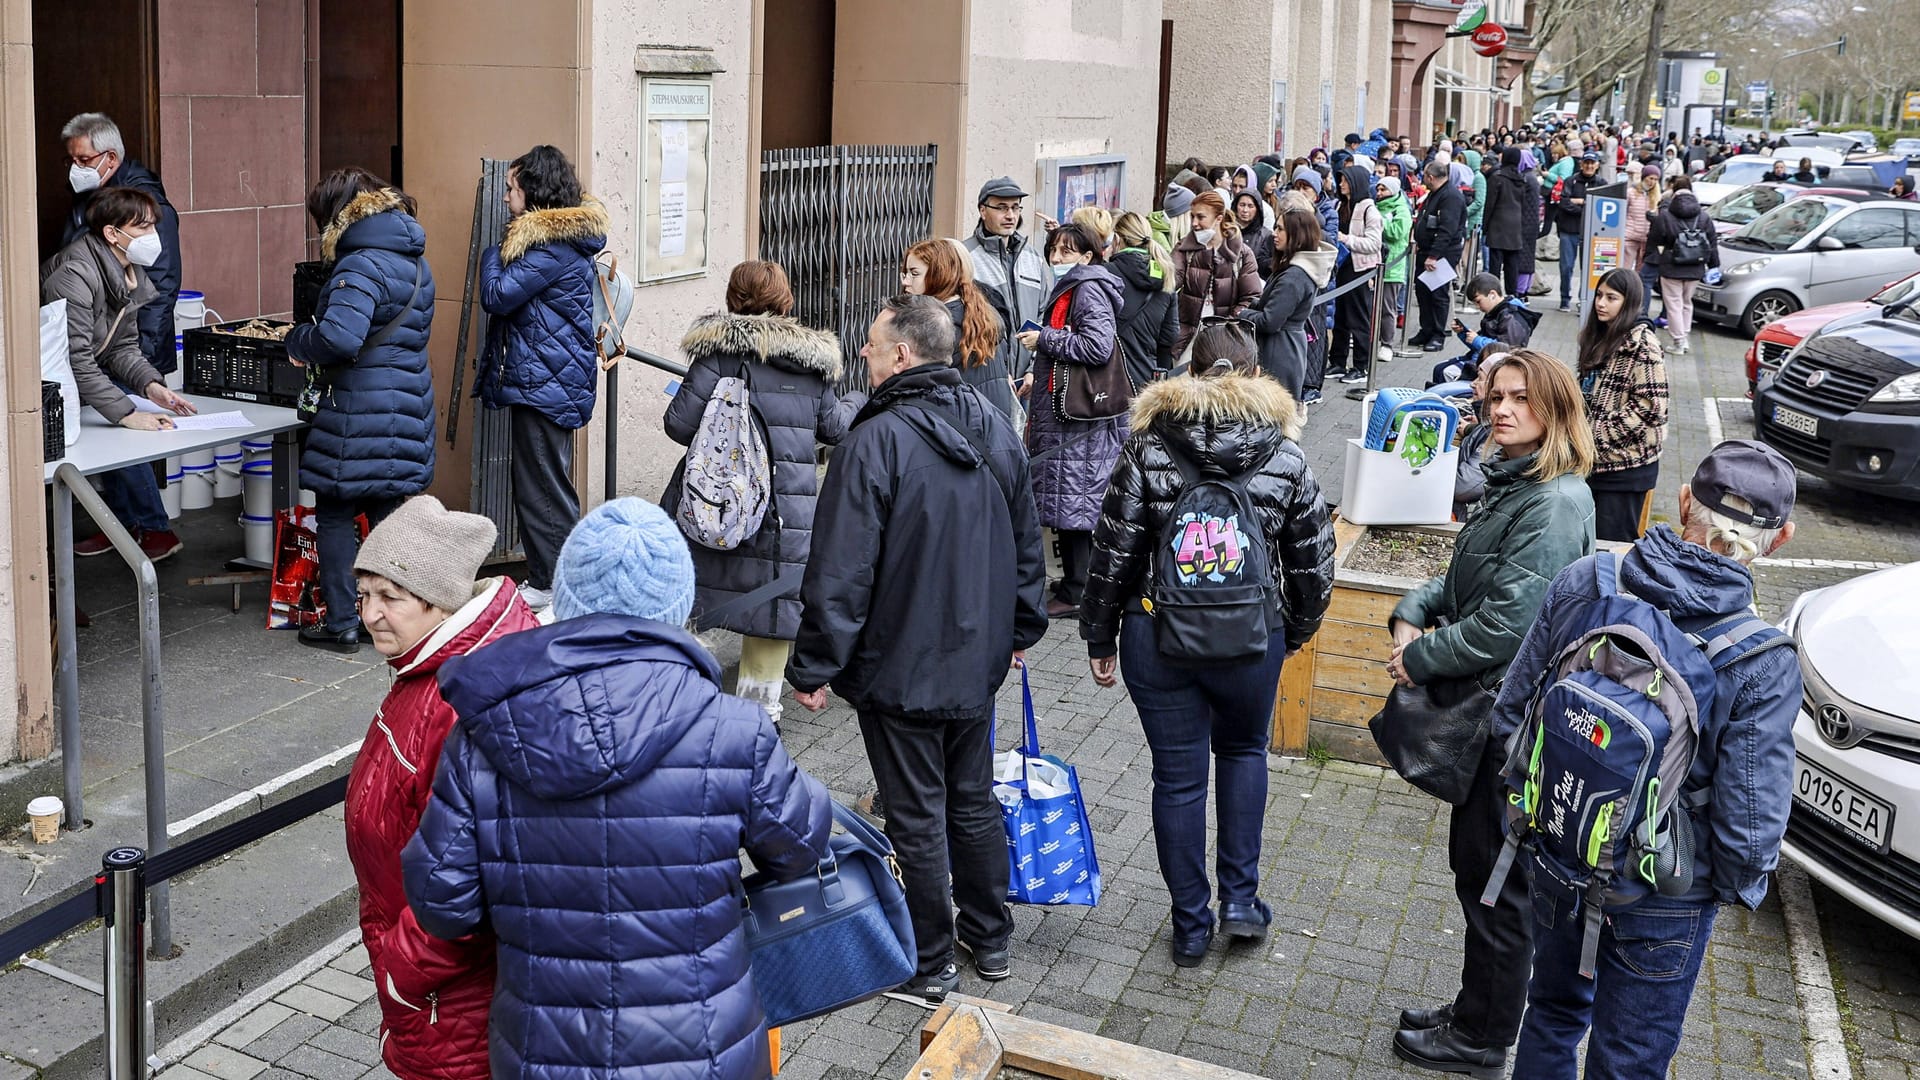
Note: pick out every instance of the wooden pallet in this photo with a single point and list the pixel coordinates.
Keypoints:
(972, 1039)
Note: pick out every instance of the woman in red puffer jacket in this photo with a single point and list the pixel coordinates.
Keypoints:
(422, 607)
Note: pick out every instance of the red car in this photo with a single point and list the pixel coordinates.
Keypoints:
(1776, 339)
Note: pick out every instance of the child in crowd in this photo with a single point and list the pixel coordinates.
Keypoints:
(1506, 323)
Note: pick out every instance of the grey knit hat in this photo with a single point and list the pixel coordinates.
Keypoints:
(430, 551)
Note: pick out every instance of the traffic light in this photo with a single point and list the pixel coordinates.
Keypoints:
(1770, 100)
(1841, 48)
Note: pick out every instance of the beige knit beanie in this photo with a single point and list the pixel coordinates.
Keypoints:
(430, 551)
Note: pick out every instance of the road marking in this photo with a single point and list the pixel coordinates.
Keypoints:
(1710, 408)
(1813, 977)
(265, 992)
(261, 791)
(1827, 564)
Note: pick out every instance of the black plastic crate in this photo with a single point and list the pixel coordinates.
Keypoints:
(308, 279)
(53, 420)
(239, 368)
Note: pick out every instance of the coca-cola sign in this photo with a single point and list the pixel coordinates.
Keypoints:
(1490, 39)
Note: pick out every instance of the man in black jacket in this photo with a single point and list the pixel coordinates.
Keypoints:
(1570, 218)
(97, 158)
(925, 577)
(1438, 234)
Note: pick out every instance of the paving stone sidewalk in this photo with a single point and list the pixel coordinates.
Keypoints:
(1365, 923)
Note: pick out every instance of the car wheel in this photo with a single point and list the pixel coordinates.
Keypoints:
(1766, 308)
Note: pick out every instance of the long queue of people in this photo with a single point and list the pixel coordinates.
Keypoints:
(546, 815)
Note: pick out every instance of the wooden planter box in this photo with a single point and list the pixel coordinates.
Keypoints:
(1333, 686)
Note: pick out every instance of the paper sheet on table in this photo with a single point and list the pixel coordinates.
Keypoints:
(141, 404)
(1440, 275)
(217, 421)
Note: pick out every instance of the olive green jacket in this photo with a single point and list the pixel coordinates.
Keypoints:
(1523, 533)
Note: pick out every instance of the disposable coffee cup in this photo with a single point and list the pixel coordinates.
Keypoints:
(45, 812)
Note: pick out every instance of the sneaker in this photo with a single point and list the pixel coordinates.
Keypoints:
(159, 543)
(1351, 377)
(97, 544)
(1684, 346)
(990, 964)
(1661, 322)
(1385, 354)
(1565, 307)
(537, 599)
(1310, 397)
(929, 991)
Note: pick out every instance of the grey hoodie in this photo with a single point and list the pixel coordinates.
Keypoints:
(1280, 315)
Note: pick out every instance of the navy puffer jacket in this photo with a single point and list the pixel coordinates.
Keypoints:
(373, 435)
(538, 286)
(590, 809)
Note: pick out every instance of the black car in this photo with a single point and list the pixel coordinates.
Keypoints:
(1846, 404)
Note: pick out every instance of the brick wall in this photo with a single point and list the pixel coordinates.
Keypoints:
(233, 129)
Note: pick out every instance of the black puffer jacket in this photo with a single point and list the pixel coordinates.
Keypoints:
(1149, 318)
(1676, 214)
(991, 377)
(794, 369)
(1226, 423)
(1508, 201)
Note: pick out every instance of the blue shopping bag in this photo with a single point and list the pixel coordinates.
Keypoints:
(1049, 842)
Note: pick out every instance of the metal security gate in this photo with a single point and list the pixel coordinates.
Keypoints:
(839, 218)
(488, 430)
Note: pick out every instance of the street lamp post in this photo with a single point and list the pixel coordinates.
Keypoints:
(1840, 49)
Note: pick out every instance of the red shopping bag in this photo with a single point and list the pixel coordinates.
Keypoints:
(294, 599)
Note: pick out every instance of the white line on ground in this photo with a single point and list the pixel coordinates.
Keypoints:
(1827, 564)
(1813, 977)
(1710, 408)
(187, 1043)
(261, 791)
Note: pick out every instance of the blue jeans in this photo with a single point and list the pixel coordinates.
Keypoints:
(1189, 714)
(1569, 266)
(1649, 288)
(1649, 958)
(133, 494)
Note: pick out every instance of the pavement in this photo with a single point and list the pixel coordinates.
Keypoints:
(1354, 863)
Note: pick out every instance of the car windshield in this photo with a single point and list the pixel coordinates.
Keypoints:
(1743, 206)
(1736, 172)
(1906, 289)
(1785, 225)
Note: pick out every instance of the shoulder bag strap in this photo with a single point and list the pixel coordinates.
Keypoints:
(380, 336)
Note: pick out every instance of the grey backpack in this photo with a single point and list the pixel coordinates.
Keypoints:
(727, 484)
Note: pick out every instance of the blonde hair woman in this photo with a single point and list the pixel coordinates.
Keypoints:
(1149, 319)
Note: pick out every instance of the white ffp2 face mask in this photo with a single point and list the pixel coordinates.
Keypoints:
(82, 178)
(144, 250)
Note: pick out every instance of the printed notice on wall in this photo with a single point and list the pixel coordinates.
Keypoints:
(673, 152)
(673, 218)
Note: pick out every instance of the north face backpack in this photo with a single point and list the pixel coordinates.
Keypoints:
(1209, 584)
(1690, 244)
(727, 484)
(1593, 776)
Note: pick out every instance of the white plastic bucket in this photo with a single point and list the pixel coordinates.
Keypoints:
(190, 310)
(308, 499)
(196, 487)
(255, 449)
(226, 471)
(170, 495)
(258, 531)
(256, 481)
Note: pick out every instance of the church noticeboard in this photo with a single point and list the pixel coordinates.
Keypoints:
(676, 121)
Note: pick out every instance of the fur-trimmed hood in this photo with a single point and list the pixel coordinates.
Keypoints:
(364, 205)
(1214, 401)
(780, 340)
(585, 225)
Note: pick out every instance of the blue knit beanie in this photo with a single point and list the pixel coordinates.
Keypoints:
(627, 557)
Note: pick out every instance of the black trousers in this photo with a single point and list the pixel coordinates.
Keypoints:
(936, 778)
(543, 494)
(1506, 266)
(1435, 306)
(337, 542)
(1499, 939)
(1076, 556)
(1352, 325)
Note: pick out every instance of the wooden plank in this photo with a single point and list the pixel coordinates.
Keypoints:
(1344, 707)
(945, 1012)
(1361, 605)
(965, 1049)
(1351, 675)
(1346, 743)
(1361, 641)
(1065, 1054)
(1346, 536)
(1294, 702)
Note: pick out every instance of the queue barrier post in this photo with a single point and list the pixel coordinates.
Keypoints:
(123, 887)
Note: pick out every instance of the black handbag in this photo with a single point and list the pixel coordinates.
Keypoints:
(832, 938)
(1083, 392)
(1434, 735)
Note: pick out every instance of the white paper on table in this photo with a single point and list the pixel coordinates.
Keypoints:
(218, 421)
(673, 219)
(1440, 275)
(673, 151)
(141, 404)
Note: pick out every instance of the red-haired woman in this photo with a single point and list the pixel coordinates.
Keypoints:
(943, 270)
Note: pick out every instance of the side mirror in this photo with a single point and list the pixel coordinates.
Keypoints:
(1829, 243)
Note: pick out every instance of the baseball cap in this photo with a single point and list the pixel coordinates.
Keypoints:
(1000, 187)
(1590, 156)
(1753, 471)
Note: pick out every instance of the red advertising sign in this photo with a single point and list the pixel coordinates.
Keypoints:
(1490, 39)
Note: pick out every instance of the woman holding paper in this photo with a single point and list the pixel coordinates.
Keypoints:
(102, 276)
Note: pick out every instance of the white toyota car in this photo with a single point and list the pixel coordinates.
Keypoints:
(1855, 824)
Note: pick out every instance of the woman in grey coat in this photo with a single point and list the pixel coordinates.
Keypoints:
(791, 371)
(1281, 315)
(1079, 320)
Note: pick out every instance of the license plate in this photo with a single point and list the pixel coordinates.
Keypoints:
(1794, 420)
(1861, 816)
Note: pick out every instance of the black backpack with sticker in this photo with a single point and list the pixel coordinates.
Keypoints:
(1210, 586)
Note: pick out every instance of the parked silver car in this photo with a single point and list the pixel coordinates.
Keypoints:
(1813, 250)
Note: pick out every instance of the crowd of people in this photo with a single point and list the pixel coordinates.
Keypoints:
(547, 812)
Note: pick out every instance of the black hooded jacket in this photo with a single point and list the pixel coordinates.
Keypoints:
(1683, 211)
(926, 572)
(1225, 423)
(1510, 199)
(1149, 322)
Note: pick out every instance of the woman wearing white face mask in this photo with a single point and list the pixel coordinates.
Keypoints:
(1214, 270)
(102, 276)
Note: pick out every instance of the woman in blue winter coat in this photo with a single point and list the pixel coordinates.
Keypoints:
(540, 364)
(590, 808)
(370, 445)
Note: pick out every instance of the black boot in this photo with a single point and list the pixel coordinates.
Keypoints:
(1444, 1049)
(1422, 1019)
(340, 641)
